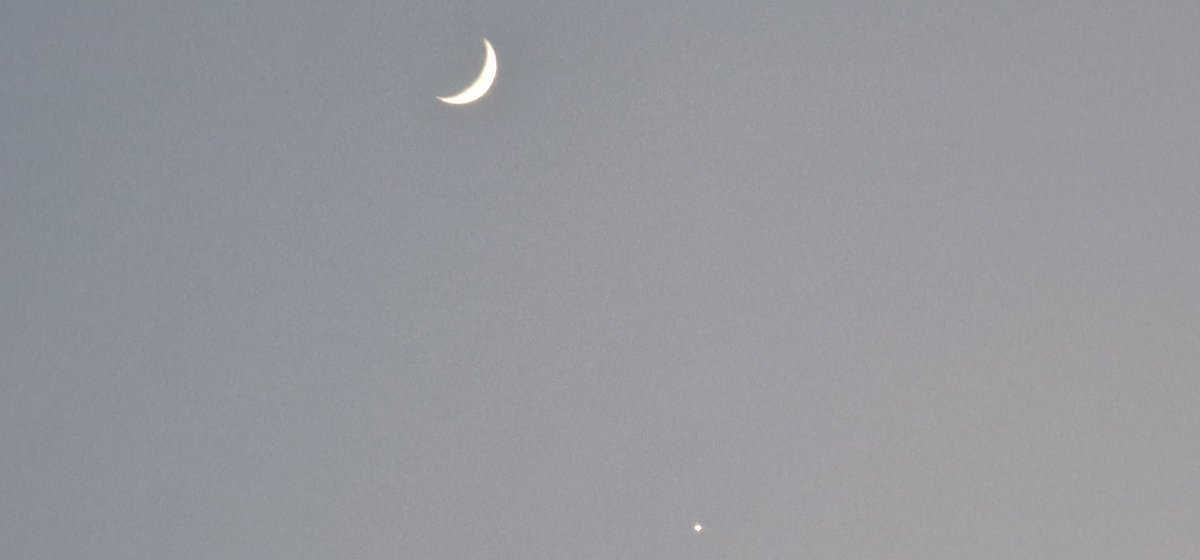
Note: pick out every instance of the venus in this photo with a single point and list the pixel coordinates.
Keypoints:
(481, 85)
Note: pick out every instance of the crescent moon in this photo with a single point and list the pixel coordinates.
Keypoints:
(481, 85)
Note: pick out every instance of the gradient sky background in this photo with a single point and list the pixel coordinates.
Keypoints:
(872, 280)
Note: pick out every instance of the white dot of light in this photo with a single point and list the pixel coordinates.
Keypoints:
(697, 528)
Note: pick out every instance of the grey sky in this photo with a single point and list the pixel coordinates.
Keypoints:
(871, 280)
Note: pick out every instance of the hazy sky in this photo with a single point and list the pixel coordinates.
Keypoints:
(869, 280)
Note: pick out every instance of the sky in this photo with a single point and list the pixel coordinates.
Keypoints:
(872, 280)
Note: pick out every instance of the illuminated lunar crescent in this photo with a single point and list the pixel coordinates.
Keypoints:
(481, 85)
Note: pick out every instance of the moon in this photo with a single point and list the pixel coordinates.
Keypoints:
(481, 85)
